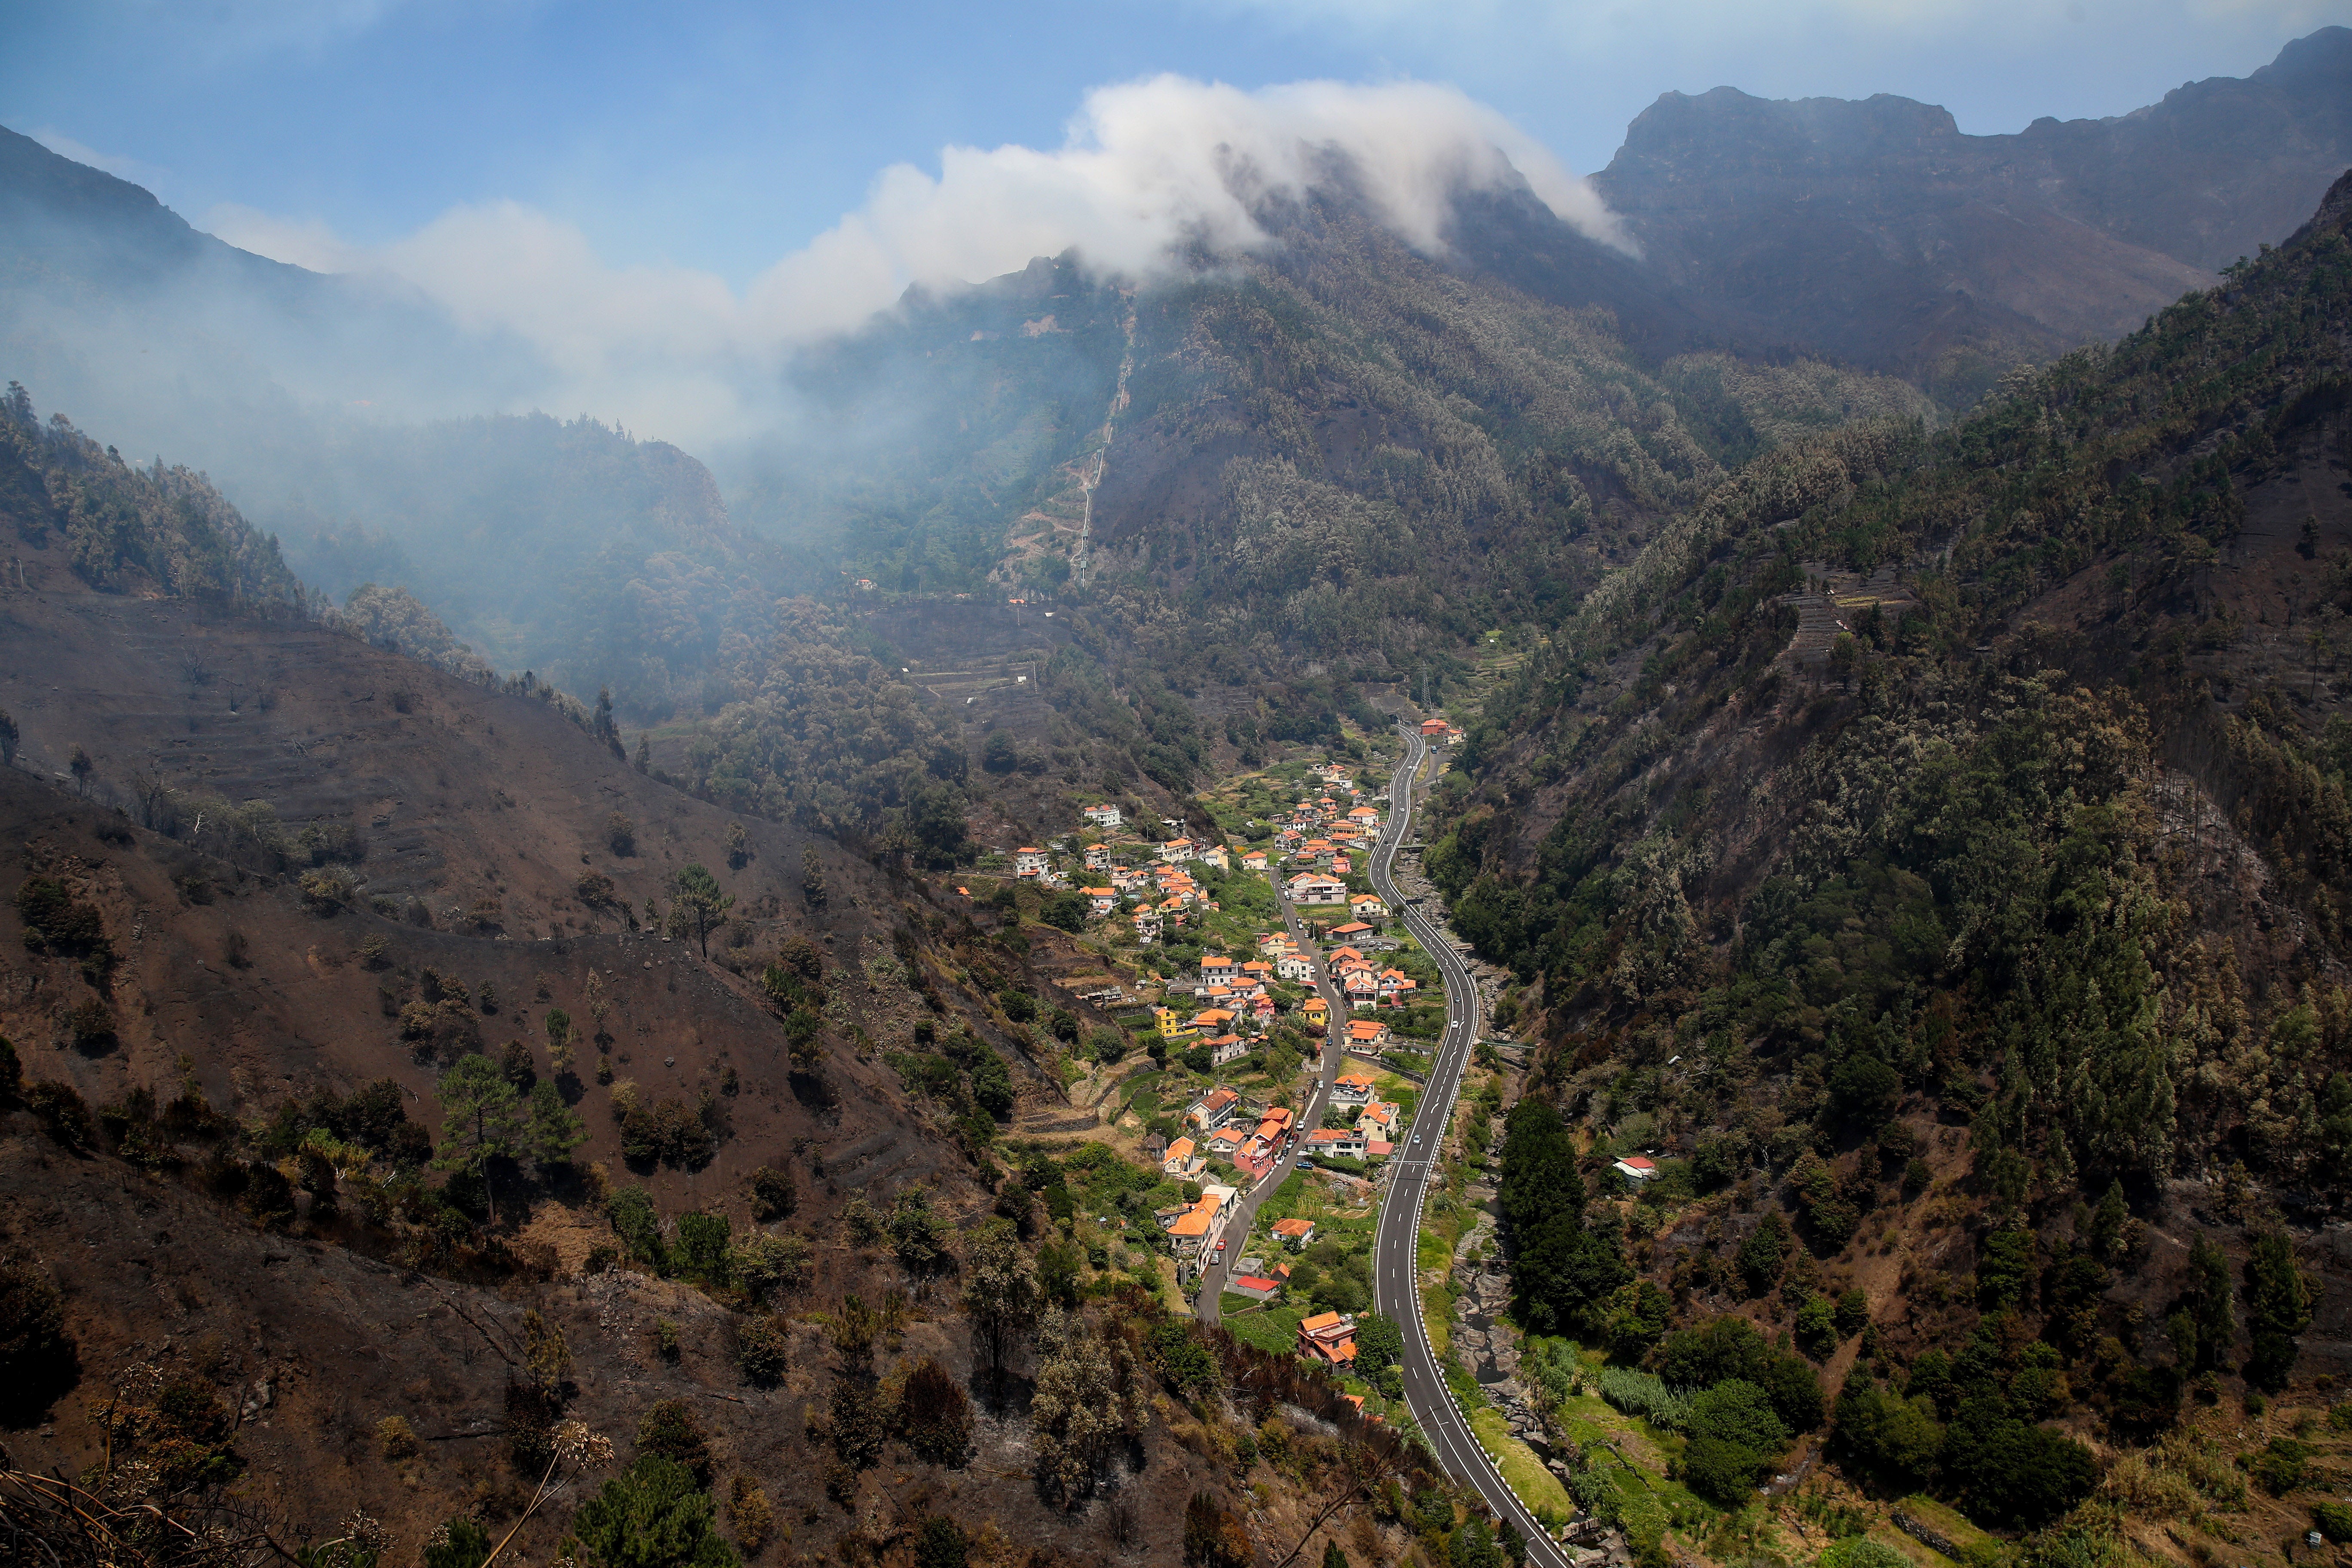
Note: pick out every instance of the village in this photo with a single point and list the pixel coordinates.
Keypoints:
(1229, 941)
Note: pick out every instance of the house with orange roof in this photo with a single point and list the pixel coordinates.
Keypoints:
(1294, 968)
(1212, 1110)
(1181, 1160)
(1212, 1020)
(1217, 966)
(1226, 1048)
(1176, 851)
(1340, 957)
(1354, 931)
(1253, 860)
(1368, 906)
(1329, 1337)
(1351, 1088)
(1433, 729)
(1317, 1011)
(1227, 1142)
(1029, 861)
(1341, 865)
(1367, 1035)
(1378, 1120)
(1395, 986)
(1101, 900)
(1343, 1143)
(1295, 1232)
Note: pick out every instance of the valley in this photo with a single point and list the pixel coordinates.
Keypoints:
(1658, 897)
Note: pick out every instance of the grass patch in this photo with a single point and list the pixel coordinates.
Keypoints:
(1273, 1330)
(1944, 1519)
(1538, 1488)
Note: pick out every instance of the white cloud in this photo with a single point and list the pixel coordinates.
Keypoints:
(1145, 167)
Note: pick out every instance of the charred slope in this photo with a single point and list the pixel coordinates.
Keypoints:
(1875, 232)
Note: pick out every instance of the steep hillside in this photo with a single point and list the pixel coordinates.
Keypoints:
(394, 1074)
(1993, 779)
(1875, 232)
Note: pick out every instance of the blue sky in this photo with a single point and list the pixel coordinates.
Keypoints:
(722, 136)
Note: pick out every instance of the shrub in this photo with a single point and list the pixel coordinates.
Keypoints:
(63, 1114)
(764, 1346)
(774, 1195)
(91, 1024)
(670, 1430)
(636, 1223)
(942, 1543)
(459, 1543)
(2332, 1521)
(2280, 1466)
(653, 1515)
(702, 1246)
(765, 1265)
(935, 1415)
(1896, 1438)
(1644, 1395)
(748, 1510)
(395, 1438)
(2011, 1473)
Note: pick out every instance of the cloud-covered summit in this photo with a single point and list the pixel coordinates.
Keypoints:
(1148, 168)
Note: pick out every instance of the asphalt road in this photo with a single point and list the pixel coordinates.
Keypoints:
(1395, 1244)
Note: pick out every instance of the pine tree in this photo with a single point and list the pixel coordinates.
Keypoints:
(481, 1120)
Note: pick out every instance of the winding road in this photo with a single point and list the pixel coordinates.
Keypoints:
(1395, 1244)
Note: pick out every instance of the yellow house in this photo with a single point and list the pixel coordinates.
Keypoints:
(1171, 1027)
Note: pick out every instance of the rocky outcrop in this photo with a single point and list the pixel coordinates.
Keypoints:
(1876, 231)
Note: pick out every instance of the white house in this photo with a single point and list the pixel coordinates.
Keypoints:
(1176, 851)
(1029, 861)
(1101, 816)
(1314, 889)
(1294, 968)
(1227, 1048)
(1101, 900)
(1368, 906)
(1346, 1142)
(1636, 1167)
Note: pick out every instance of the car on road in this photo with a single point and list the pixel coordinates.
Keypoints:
(1306, 1164)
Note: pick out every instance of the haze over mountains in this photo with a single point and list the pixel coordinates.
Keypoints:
(1867, 235)
(1890, 586)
